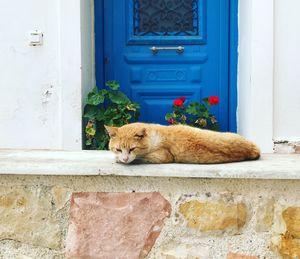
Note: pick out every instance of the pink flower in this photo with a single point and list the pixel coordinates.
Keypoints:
(171, 121)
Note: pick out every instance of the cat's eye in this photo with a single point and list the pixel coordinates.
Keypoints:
(119, 150)
(130, 150)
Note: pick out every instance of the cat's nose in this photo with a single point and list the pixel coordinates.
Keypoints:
(126, 159)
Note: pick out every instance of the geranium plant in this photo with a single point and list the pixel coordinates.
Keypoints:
(110, 107)
(196, 114)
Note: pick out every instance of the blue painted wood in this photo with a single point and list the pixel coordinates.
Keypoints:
(233, 57)
(155, 80)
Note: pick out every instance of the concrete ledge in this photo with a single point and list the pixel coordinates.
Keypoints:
(41, 162)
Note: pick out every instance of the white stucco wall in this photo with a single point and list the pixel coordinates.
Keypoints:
(287, 71)
(255, 72)
(41, 87)
(88, 79)
(268, 77)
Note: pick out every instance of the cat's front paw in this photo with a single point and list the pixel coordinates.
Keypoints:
(117, 160)
(139, 161)
(120, 161)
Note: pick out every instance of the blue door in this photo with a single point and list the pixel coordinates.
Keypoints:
(160, 50)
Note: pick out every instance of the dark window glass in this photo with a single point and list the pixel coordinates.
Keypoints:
(165, 17)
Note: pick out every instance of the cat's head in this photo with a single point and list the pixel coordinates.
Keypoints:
(128, 142)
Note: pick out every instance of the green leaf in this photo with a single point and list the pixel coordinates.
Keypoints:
(88, 142)
(118, 116)
(109, 115)
(90, 131)
(133, 107)
(100, 115)
(103, 145)
(205, 114)
(205, 100)
(103, 92)
(193, 108)
(94, 90)
(110, 112)
(215, 127)
(136, 105)
(169, 116)
(128, 116)
(113, 85)
(90, 111)
(95, 98)
(119, 122)
(102, 141)
(118, 97)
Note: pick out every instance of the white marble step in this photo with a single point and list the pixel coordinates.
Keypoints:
(53, 162)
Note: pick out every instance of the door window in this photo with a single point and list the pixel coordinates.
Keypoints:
(165, 18)
(166, 21)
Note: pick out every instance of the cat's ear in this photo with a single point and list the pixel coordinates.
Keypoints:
(112, 131)
(140, 134)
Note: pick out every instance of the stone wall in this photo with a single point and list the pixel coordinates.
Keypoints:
(153, 217)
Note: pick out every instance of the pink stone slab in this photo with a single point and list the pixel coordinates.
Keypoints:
(115, 225)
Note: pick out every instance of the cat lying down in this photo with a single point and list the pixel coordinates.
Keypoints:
(179, 143)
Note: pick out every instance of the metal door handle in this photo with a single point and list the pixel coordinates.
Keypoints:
(178, 49)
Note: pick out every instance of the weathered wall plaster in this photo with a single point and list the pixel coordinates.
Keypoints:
(42, 87)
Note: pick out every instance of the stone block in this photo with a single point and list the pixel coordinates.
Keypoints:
(61, 196)
(286, 238)
(289, 247)
(115, 225)
(265, 215)
(10, 249)
(175, 250)
(27, 215)
(214, 215)
(291, 217)
(240, 256)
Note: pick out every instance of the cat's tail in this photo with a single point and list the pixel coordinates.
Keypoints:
(254, 152)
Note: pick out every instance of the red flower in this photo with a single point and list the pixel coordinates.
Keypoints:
(182, 98)
(178, 102)
(213, 100)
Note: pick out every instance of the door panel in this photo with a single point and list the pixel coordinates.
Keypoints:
(155, 78)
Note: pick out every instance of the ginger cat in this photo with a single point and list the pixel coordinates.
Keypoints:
(179, 143)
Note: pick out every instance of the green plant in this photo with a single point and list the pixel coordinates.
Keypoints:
(195, 114)
(106, 107)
